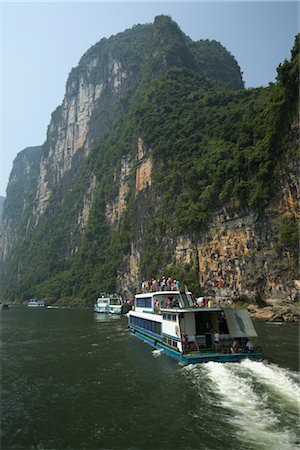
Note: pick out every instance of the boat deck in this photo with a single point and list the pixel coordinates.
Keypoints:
(201, 356)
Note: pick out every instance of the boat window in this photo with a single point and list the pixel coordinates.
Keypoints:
(144, 302)
(170, 342)
(102, 300)
(146, 324)
(171, 317)
(115, 301)
(163, 299)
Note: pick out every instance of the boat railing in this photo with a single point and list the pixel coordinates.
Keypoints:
(195, 344)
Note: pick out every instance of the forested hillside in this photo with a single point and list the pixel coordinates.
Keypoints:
(176, 169)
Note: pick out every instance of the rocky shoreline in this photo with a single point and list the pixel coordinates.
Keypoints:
(285, 313)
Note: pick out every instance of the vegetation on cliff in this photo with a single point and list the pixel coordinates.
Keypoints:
(212, 144)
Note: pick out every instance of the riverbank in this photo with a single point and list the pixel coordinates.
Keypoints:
(284, 313)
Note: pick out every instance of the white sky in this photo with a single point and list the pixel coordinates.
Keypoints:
(42, 41)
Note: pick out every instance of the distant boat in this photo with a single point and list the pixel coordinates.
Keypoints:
(36, 303)
(108, 304)
(168, 320)
(4, 306)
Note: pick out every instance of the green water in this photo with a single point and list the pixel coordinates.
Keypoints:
(75, 380)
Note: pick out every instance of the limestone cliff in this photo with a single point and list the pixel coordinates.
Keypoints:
(91, 91)
(20, 195)
(2, 199)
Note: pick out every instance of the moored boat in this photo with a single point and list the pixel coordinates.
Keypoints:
(108, 304)
(169, 320)
(36, 303)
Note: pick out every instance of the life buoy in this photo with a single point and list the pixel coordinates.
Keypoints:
(176, 329)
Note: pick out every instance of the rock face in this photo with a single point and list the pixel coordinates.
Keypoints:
(287, 313)
(20, 195)
(1, 206)
(70, 135)
(144, 168)
(115, 209)
(87, 204)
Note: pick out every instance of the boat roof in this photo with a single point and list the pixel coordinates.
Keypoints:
(239, 322)
(151, 294)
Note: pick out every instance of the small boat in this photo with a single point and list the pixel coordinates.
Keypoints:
(169, 320)
(36, 303)
(108, 304)
(4, 306)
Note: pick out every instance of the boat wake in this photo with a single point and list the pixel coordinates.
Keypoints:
(261, 401)
(157, 353)
(281, 381)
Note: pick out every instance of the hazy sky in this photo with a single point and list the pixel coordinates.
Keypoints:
(42, 41)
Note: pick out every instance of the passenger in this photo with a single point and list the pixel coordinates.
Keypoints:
(249, 345)
(144, 286)
(175, 303)
(158, 284)
(169, 283)
(216, 340)
(168, 302)
(177, 284)
(209, 303)
(154, 285)
(234, 348)
(156, 307)
(173, 286)
(200, 301)
(184, 338)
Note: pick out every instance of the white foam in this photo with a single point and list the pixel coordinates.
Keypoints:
(157, 353)
(257, 424)
(278, 379)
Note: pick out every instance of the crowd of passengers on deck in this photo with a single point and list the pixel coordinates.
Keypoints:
(238, 345)
(160, 284)
(171, 302)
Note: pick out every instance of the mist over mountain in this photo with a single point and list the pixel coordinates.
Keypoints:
(158, 162)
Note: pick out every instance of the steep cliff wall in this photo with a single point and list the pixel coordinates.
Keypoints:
(240, 253)
(21, 192)
(71, 133)
(2, 199)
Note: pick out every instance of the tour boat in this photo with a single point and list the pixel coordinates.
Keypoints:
(36, 303)
(108, 304)
(169, 320)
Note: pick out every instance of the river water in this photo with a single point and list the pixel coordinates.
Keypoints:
(75, 380)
